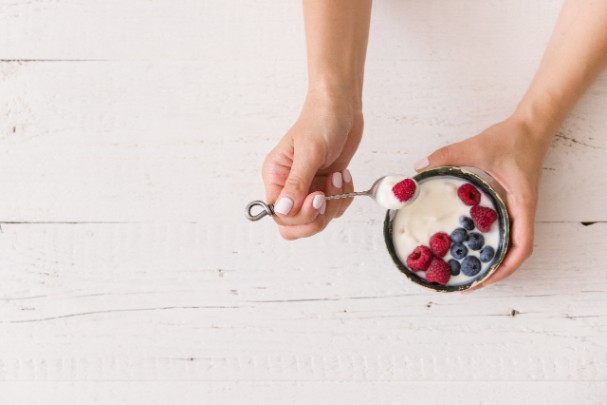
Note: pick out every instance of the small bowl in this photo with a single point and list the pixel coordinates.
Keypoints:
(473, 176)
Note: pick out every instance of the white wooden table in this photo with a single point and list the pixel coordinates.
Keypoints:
(131, 136)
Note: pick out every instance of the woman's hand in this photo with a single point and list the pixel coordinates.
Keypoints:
(311, 161)
(513, 154)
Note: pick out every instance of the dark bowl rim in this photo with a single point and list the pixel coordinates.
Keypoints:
(503, 223)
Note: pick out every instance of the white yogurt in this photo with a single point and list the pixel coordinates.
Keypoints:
(438, 209)
(385, 196)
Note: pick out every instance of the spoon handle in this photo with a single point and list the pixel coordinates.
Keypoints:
(347, 195)
(268, 209)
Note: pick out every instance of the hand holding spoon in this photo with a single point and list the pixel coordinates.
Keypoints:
(391, 192)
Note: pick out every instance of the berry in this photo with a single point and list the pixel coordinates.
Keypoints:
(420, 258)
(438, 272)
(459, 251)
(471, 266)
(440, 243)
(483, 217)
(454, 266)
(469, 194)
(459, 235)
(404, 190)
(487, 254)
(466, 222)
(475, 240)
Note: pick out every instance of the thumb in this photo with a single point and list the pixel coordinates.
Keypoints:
(306, 162)
(447, 155)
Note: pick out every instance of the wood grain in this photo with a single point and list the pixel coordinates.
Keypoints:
(131, 137)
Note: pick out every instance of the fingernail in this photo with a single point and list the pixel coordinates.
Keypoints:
(318, 201)
(347, 176)
(420, 164)
(283, 206)
(337, 180)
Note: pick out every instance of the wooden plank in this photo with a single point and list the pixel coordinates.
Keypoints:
(304, 392)
(217, 30)
(154, 141)
(175, 302)
(138, 29)
(131, 136)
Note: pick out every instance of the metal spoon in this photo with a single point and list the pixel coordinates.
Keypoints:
(268, 209)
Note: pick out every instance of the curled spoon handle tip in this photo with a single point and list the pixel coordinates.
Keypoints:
(266, 209)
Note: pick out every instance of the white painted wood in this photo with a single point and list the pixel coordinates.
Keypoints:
(151, 140)
(305, 392)
(128, 274)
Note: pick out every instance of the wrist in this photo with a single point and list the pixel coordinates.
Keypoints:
(540, 118)
(531, 132)
(347, 93)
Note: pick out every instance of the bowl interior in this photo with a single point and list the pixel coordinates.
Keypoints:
(503, 226)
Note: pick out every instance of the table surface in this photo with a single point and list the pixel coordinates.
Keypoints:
(131, 137)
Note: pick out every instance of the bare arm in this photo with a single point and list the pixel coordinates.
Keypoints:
(513, 150)
(576, 54)
(311, 159)
(336, 35)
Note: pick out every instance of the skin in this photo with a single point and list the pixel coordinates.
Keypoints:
(326, 135)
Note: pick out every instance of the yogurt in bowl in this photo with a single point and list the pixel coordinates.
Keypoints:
(454, 235)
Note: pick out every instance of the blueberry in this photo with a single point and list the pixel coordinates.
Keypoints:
(466, 222)
(471, 266)
(459, 235)
(475, 240)
(459, 251)
(454, 266)
(487, 254)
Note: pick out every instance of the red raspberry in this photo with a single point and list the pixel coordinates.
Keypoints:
(440, 243)
(469, 194)
(438, 272)
(404, 190)
(420, 258)
(483, 217)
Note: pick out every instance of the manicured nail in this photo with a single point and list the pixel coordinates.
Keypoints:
(337, 180)
(320, 203)
(283, 206)
(420, 164)
(347, 176)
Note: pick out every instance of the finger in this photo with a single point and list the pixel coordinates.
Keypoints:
(522, 229)
(447, 155)
(522, 240)
(348, 187)
(335, 183)
(276, 168)
(303, 231)
(307, 160)
(313, 206)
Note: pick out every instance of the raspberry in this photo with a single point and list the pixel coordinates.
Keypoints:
(440, 243)
(483, 217)
(438, 272)
(420, 258)
(469, 194)
(404, 190)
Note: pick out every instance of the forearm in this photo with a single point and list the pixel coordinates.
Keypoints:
(576, 54)
(336, 37)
